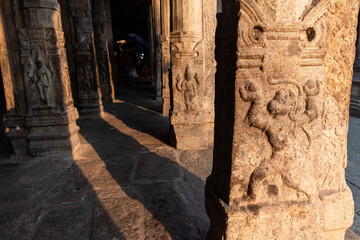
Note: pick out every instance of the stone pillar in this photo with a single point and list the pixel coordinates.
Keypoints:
(355, 90)
(157, 41)
(357, 56)
(87, 86)
(165, 56)
(282, 100)
(152, 44)
(192, 73)
(102, 52)
(111, 47)
(43, 110)
(12, 77)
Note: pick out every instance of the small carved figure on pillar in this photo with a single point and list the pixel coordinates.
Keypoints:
(85, 79)
(189, 87)
(42, 80)
(102, 73)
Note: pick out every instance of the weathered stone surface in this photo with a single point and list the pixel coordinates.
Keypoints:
(84, 71)
(281, 120)
(192, 74)
(66, 222)
(100, 19)
(42, 122)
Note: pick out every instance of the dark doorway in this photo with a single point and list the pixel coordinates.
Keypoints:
(5, 144)
(130, 21)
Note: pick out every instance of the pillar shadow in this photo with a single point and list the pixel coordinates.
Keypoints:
(171, 195)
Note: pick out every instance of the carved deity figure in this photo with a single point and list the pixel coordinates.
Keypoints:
(85, 79)
(189, 87)
(102, 73)
(42, 80)
(284, 117)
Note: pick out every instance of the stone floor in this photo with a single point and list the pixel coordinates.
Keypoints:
(126, 182)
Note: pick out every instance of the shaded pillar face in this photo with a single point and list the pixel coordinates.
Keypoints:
(355, 91)
(102, 52)
(165, 54)
(281, 120)
(87, 87)
(49, 117)
(158, 52)
(192, 74)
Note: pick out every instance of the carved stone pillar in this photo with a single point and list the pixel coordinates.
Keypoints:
(102, 53)
(192, 73)
(12, 77)
(157, 41)
(87, 86)
(355, 90)
(357, 56)
(152, 44)
(282, 100)
(165, 55)
(111, 47)
(49, 120)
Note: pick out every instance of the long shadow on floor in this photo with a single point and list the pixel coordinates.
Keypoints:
(141, 119)
(173, 195)
(49, 198)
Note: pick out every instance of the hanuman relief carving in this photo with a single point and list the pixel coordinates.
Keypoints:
(279, 119)
(188, 86)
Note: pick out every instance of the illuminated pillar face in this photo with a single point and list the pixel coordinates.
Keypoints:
(192, 47)
(286, 106)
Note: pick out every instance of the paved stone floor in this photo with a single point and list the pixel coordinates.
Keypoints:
(126, 182)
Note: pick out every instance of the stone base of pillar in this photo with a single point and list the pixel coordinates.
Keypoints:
(52, 133)
(301, 220)
(186, 135)
(166, 107)
(17, 134)
(339, 213)
(158, 99)
(90, 106)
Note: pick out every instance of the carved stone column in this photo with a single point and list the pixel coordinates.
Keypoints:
(12, 77)
(357, 56)
(165, 55)
(87, 87)
(157, 41)
(282, 100)
(102, 53)
(111, 47)
(152, 44)
(192, 73)
(50, 117)
(355, 91)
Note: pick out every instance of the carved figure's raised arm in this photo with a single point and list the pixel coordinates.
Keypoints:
(178, 83)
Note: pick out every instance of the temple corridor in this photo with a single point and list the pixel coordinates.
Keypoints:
(126, 182)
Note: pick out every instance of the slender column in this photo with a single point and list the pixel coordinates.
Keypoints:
(192, 73)
(282, 100)
(102, 53)
(152, 44)
(165, 55)
(111, 47)
(357, 56)
(158, 62)
(50, 117)
(355, 91)
(12, 76)
(87, 86)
